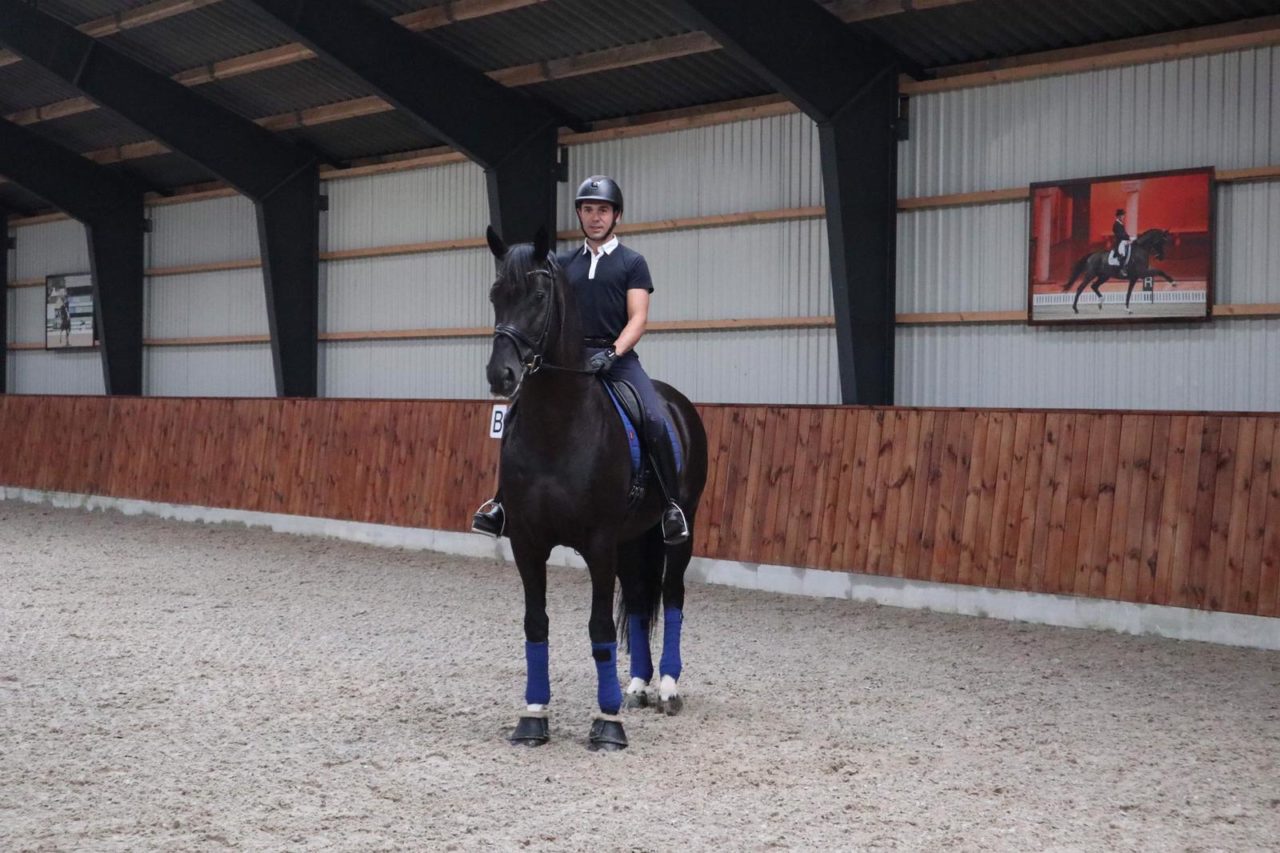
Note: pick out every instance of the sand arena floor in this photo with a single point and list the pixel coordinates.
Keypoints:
(171, 686)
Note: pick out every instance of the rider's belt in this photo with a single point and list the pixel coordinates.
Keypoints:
(603, 343)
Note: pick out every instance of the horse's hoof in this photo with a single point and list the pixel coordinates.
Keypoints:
(671, 706)
(531, 731)
(606, 736)
(636, 700)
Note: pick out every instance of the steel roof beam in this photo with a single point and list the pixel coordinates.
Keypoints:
(848, 84)
(110, 207)
(261, 165)
(511, 136)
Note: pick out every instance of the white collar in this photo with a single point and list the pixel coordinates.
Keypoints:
(607, 248)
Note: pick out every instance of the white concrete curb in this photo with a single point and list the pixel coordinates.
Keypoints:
(1178, 623)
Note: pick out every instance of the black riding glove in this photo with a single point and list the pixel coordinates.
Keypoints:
(603, 361)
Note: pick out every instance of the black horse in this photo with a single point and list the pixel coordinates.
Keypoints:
(565, 478)
(1096, 268)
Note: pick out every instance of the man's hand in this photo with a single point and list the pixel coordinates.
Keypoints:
(602, 361)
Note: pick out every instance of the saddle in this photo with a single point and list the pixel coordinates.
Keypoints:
(631, 410)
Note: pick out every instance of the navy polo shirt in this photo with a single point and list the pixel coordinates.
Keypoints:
(601, 294)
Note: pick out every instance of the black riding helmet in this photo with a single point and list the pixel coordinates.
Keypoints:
(599, 188)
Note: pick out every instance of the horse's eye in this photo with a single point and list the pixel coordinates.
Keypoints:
(540, 296)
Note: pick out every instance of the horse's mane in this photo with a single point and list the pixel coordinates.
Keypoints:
(1151, 234)
(517, 265)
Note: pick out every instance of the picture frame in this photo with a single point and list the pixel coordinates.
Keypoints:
(1165, 270)
(69, 312)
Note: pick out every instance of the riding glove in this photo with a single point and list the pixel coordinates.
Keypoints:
(602, 361)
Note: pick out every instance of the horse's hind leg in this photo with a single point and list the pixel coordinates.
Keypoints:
(640, 565)
(670, 666)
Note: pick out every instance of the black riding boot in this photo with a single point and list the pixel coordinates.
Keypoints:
(490, 519)
(662, 459)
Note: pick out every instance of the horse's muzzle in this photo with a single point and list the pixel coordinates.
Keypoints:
(502, 380)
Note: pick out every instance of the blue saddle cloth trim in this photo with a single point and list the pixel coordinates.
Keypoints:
(633, 438)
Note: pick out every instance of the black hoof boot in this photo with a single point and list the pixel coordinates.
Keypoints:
(606, 736)
(636, 700)
(671, 706)
(531, 731)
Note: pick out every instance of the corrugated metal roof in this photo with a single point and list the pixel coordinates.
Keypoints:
(76, 12)
(552, 30)
(15, 198)
(385, 133)
(984, 29)
(25, 84)
(300, 86)
(167, 170)
(90, 131)
(223, 30)
(687, 81)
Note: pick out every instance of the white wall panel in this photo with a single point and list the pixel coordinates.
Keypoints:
(1248, 243)
(219, 229)
(240, 370)
(51, 248)
(56, 372)
(1221, 366)
(963, 258)
(28, 318)
(207, 304)
(433, 290)
(776, 269)
(754, 366)
(1216, 110)
(441, 203)
(762, 164)
(442, 368)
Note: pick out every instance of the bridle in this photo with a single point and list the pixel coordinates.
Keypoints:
(532, 353)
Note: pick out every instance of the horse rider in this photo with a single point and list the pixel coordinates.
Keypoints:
(1120, 253)
(611, 286)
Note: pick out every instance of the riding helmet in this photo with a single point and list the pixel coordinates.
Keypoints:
(600, 188)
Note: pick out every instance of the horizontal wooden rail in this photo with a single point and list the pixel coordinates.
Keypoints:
(1162, 508)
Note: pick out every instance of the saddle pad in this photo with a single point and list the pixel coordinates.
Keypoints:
(633, 437)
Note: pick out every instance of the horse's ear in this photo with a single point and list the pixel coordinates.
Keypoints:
(541, 244)
(496, 245)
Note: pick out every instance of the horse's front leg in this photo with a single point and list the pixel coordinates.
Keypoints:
(606, 730)
(533, 729)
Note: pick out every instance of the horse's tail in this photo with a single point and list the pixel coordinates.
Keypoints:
(649, 557)
(1076, 271)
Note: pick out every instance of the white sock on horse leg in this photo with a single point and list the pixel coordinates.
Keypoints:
(667, 688)
(636, 686)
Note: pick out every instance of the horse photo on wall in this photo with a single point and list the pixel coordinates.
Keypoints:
(1124, 248)
(68, 312)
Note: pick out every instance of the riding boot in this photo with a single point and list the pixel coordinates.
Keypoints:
(662, 459)
(490, 519)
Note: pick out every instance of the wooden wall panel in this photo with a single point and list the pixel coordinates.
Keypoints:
(1164, 508)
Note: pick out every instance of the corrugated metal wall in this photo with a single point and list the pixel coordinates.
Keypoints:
(1219, 110)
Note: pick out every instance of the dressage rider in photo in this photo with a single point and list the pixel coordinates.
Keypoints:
(611, 286)
(1122, 238)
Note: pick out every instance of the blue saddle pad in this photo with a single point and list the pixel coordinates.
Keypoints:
(633, 437)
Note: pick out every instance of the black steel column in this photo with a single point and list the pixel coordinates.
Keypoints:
(289, 232)
(116, 263)
(4, 303)
(859, 180)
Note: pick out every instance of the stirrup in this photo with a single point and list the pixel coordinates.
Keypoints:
(490, 520)
(675, 527)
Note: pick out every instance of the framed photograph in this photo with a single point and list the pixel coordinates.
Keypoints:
(68, 312)
(1123, 248)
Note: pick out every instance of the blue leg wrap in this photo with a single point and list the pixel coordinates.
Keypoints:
(607, 689)
(537, 689)
(638, 635)
(672, 621)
